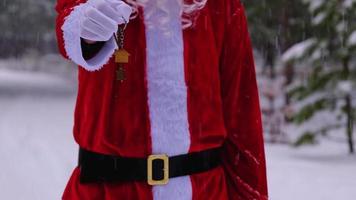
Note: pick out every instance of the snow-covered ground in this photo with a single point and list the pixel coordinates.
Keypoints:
(323, 172)
(38, 153)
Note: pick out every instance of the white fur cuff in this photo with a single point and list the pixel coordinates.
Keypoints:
(72, 43)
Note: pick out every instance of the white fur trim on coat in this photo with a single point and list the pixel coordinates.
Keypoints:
(72, 42)
(167, 95)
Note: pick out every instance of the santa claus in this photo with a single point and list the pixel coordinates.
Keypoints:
(168, 109)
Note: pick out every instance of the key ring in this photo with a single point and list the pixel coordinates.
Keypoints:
(120, 32)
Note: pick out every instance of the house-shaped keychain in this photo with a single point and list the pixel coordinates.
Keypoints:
(122, 56)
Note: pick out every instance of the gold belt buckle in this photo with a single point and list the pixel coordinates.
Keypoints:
(150, 160)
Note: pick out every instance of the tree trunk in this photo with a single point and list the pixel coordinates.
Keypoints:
(349, 128)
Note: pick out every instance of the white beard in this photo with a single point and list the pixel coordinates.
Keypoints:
(162, 6)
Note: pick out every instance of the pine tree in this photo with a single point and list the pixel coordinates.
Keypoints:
(332, 75)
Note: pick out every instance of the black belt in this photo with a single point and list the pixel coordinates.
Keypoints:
(156, 169)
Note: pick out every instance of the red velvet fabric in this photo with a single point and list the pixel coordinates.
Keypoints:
(223, 107)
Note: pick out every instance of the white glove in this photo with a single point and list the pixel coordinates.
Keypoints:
(100, 19)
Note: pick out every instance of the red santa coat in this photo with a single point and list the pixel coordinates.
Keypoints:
(191, 93)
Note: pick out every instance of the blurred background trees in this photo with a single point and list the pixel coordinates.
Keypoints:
(25, 26)
(307, 49)
(332, 73)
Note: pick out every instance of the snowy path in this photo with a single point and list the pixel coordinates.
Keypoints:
(38, 153)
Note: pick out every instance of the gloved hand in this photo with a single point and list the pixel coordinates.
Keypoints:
(100, 19)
